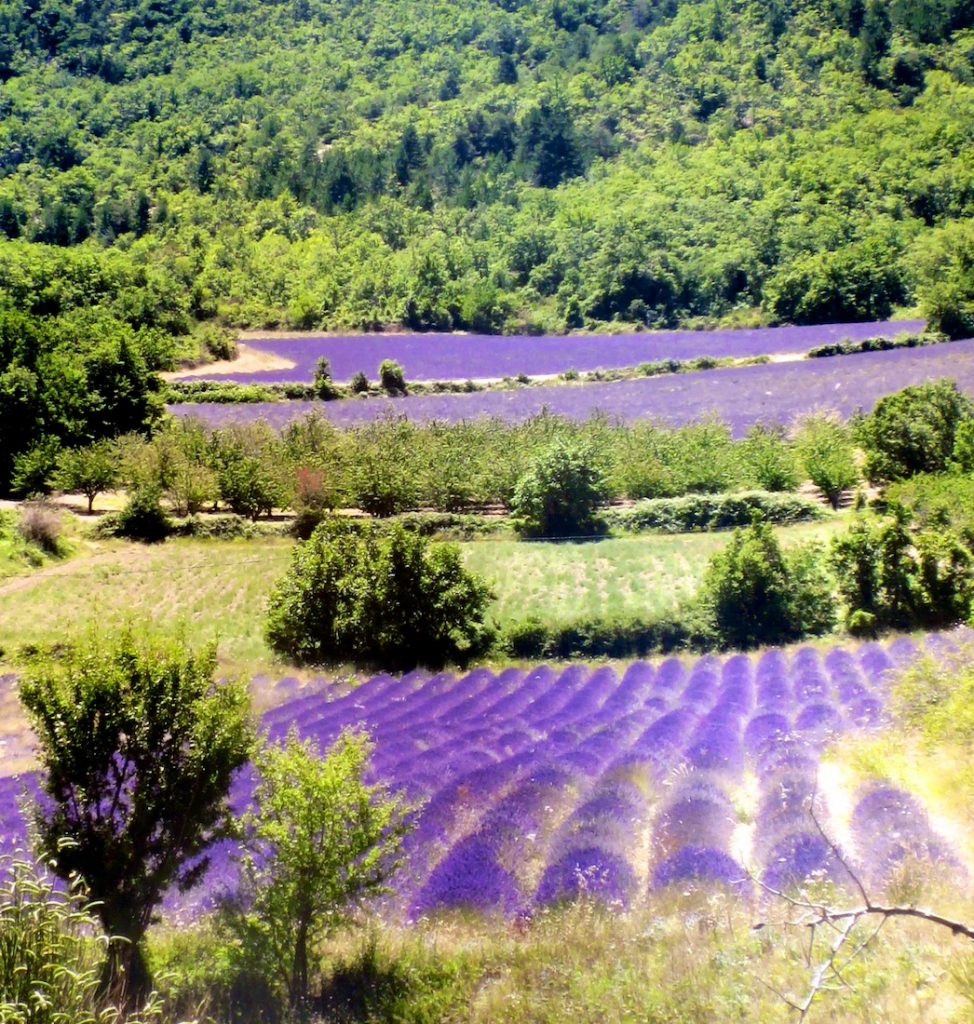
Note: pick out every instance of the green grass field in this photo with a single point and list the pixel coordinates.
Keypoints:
(218, 589)
(644, 576)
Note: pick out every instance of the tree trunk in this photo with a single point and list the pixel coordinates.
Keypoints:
(125, 978)
(299, 969)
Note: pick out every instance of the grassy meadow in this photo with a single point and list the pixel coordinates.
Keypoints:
(643, 575)
(217, 590)
(689, 959)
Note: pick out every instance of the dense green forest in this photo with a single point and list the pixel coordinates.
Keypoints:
(489, 164)
(171, 170)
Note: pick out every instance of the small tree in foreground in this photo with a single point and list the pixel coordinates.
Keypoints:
(320, 841)
(138, 747)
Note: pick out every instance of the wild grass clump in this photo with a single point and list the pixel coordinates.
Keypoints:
(40, 524)
(686, 957)
(52, 953)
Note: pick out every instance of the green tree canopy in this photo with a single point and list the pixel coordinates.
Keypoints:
(138, 746)
(376, 595)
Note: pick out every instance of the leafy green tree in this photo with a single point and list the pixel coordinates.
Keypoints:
(89, 470)
(769, 460)
(962, 457)
(913, 430)
(549, 148)
(377, 596)
(892, 575)
(138, 747)
(561, 493)
(943, 263)
(860, 281)
(755, 595)
(143, 517)
(252, 475)
(854, 556)
(321, 841)
(825, 450)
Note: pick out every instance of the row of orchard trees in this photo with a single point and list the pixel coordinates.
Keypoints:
(139, 746)
(395, 465)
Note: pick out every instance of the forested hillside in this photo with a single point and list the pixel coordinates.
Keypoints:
(486, 164)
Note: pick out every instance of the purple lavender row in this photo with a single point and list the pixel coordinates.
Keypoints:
(741, 396)
(892, 831)
(460, 356)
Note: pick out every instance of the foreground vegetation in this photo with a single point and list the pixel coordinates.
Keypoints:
(693, 953)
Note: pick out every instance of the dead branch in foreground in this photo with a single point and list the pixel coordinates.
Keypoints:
(842, 922)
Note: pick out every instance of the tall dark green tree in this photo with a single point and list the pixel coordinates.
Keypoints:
(138, 747)
(549, 148)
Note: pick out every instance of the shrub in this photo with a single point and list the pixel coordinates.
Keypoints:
(143, 517)
(39, 523)
(936, 501)
(754, 594)
(322, 383)
(913, 431)
(359, 383)
(561, 493)
(139, 727)
(825, 450)
(380, 596)
(391, 377)
(313, 499)
(695, 512)
(215, 341)
(532, 639)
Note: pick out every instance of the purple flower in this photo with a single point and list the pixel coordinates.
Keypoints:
(702, 865)
(800, 857)
(593, 871)
(890, 827)
(469, 876)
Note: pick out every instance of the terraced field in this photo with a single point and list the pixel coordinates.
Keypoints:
(774, 392)
(462, 356)
(536, 784)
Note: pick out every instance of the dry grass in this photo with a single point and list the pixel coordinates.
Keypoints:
(216, 590)
(681, 958)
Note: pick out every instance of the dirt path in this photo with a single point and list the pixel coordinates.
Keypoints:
(248, 360)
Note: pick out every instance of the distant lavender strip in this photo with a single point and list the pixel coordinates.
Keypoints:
(461, 356)
(742, 396)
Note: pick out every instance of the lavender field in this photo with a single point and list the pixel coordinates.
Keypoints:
(742, 396)
(459, 356)
(538, 783)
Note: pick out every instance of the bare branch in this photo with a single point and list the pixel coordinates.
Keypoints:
(828, 964)
(834, 847)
